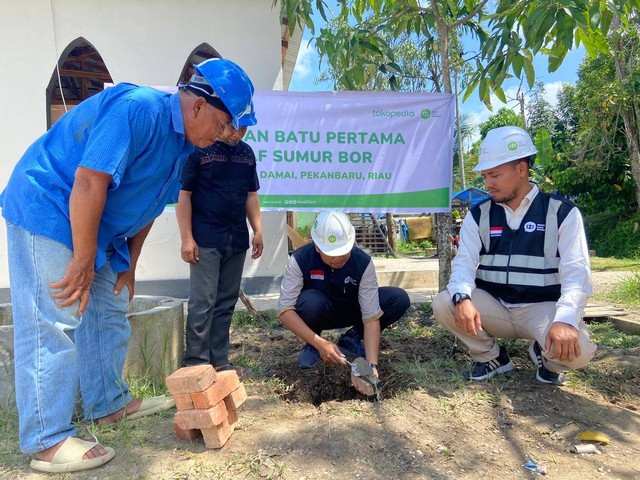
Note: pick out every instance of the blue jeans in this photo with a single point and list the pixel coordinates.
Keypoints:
(55, 349)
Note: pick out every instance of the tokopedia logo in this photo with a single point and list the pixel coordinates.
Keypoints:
(425, 114)
(392, 113)
(512, 146)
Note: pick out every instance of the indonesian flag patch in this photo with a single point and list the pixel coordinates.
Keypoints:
(317, 274)
(495, 231)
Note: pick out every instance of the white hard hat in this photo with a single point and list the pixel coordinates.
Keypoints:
(502, 145)
(333, 233)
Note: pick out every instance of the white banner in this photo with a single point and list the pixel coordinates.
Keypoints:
(356, 151)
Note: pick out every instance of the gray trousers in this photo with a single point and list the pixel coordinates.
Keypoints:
(214, 289)
(531, 322)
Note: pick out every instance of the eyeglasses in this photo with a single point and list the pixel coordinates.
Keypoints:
(221, 125)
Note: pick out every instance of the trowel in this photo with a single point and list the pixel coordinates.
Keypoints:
(362, 373)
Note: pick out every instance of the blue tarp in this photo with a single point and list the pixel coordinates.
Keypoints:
(471, 195)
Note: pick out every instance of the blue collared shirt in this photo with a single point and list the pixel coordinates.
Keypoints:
(136, 135)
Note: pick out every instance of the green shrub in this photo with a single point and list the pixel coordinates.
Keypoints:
(611, 235)
(408, 247)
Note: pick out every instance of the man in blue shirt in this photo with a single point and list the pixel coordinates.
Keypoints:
(78, 207)
(219, 193)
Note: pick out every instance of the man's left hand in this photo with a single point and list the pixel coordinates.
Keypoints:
(127, 278)
(256, 246)
(562, 342)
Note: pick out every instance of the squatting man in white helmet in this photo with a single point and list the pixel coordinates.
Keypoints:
(522, 269)
(330, 284)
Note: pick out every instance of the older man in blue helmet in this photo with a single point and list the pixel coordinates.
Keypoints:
(78, 207)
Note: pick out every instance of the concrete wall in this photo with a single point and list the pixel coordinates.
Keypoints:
(141, 42)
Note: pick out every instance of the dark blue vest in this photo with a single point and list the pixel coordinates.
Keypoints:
(342, 285)
(521, 266)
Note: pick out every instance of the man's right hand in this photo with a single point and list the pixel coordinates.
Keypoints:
(330, 353)
(189, 251)
(75, 285)
(467, 317)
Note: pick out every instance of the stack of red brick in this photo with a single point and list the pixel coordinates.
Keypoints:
(207, 403)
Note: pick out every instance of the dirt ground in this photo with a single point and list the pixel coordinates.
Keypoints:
(430, 424)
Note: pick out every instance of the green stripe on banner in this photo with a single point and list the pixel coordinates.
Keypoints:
(422, 199)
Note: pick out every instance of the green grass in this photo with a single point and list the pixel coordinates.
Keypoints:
(243, 319)
(626, 293)
(601, 264)
(437, 372)
(10, 456)
(605, 334)
(142, 387)
(612, 379)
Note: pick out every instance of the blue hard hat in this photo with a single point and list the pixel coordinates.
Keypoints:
(230, 83)
(248, 119)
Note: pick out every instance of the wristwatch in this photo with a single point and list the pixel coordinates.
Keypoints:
(460, 297)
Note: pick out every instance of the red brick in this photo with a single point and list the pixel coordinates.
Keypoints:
(191, 379)
(183, 401)
(226, 382)
(217, 436)
(201, 418)
(186, 434)
(232, 416)
(236, 398)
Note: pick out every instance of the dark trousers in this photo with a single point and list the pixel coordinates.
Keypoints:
(214, 289)
(319, 313)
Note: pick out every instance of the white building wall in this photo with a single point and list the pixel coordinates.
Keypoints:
(144, 42)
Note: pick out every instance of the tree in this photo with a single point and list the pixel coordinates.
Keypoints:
(540, 114)
(593, 165)
(466, 128)
(543, 125)
(503, 118)
(360, 32)
(519, 30)
(551, 27)
(416, 68)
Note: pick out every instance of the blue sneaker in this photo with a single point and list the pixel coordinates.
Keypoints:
(309, 357)
(481, 371)
(544, 375)
(350, 343)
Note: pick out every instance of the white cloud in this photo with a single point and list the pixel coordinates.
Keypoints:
(307, 56)
(551, 92)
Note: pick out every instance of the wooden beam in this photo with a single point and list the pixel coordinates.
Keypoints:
(64, 72)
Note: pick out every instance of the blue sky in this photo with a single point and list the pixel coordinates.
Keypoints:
(307, 70)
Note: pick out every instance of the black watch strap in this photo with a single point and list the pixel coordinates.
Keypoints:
(460, 297)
